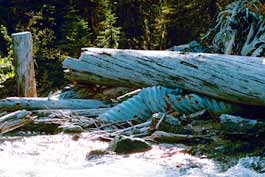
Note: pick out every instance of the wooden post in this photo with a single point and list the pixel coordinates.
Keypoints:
(25, 74)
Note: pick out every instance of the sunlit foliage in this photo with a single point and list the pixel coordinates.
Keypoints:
(240, 29)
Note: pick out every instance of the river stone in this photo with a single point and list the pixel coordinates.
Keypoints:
(237, 125)
(169, 124)
(71, 128)
(126, 145)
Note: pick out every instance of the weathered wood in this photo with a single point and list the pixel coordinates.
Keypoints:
(88, 78)
(18, 103)
(3, 113)
(161, 136)
(14, 124)
(237, 79)
(14, 120)
(77, 112)
(25, 74)
(14, 115)
(133, 129)
(128, 95)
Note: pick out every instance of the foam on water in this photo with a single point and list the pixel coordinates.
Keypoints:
(60, 156)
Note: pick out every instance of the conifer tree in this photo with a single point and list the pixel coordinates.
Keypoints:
(74, 32)
(109, 35)
(163, 23)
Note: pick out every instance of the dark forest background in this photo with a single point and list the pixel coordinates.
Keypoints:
(63, 27)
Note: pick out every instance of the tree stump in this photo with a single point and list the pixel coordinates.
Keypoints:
(25, 74)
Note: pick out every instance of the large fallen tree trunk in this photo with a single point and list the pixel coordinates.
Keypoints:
(234, 78)
(17, 103)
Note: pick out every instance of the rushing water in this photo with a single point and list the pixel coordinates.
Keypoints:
(61, 156)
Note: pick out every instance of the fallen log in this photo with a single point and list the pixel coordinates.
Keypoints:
(133, 129)
(3, 113)
(160, 99)
(14, 120)
(88, 78)
(14, 115)
(18, 103)
(76, 112)
(161, 136)
(237, 79)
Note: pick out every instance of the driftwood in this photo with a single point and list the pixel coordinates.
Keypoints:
(77, 112)
(3, 113)
(161, 136)
(25, 74)
(14, 115)
(160, 99)
(134, 129)
(18, 103)
(88, 78)
(128, 95)
(14, 120)
(233, 78)
(90, 92)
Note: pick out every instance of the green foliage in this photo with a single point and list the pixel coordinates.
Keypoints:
(163, 23)
(60, 28)
(6, 66)
(109, 34)
(74, 33)
(240, 29)
(47, 57)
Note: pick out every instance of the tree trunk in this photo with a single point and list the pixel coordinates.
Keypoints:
(233, 78)
(16, 103)
(25, 74)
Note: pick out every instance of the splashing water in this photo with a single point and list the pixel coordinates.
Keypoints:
(62, 156)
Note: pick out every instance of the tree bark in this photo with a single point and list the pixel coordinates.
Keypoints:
(238, 79)
(16, 103)
(25, 74)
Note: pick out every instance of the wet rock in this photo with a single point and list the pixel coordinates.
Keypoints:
(168, 123)
(238, 125)
(256, 163)
(76, 137)
(94, 154)
(71, 128)
(205, 127)
(125, 145)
